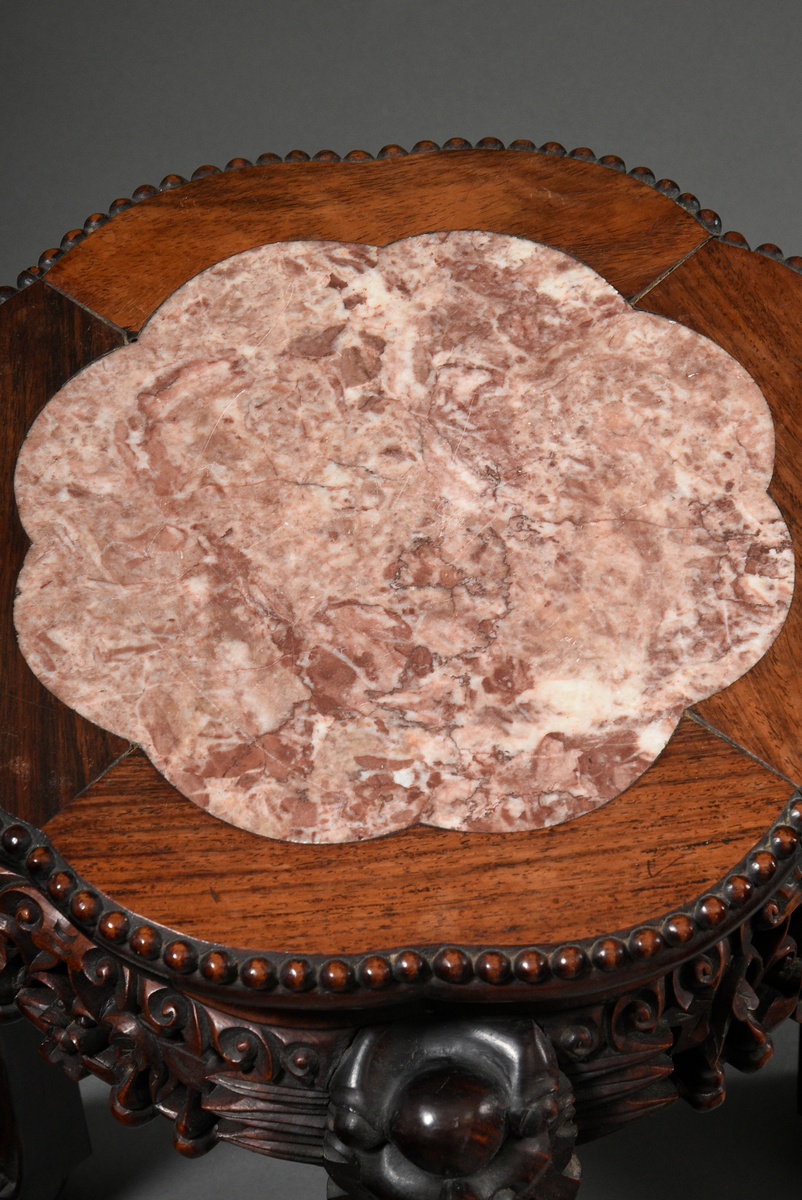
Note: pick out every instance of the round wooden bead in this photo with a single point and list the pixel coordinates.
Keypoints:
(770, 250)
(531, 966)
(453, 966)
(733, 238)
(762, 866)
(40, 861)
(258, 973)
(689, 202)
(146, 942)
(784, 841)
(217, 967)
(49, 257)
(85, 906)
(678, 929)
(614, 162)
(60, 885)
(645, 943)
(711, 220)
(94, 221)
(337, 976)
(72, 238)
(375, 972)
(569, 962)
(114, 926)
(15, 840)
(608, 954)
(711, 911)
(297, 975)
(180, 956)
(668, 187)
(409, 967)
(145, 191)
(738, 889)
(493, 967)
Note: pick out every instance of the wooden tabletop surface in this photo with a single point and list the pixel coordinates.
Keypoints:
(725, 775)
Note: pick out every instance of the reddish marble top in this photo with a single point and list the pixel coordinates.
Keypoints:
(444, 532)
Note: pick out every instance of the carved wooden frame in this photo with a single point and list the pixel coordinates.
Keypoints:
(527, 973)
(707, 218)
(324, 1089)
(298, 1057)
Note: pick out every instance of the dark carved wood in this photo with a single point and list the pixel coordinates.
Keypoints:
(47, 752)
(534, 973)
(454, 1103)
(350, 1050)
(441, 1109)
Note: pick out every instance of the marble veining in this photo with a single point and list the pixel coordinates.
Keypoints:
(443, 532)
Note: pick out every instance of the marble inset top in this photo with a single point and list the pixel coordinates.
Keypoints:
(443, 532)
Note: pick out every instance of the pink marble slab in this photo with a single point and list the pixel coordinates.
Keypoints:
(444, 532)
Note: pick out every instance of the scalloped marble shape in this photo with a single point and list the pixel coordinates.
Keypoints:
(443, 532)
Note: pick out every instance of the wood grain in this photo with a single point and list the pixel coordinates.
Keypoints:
(47, 752)
(752, 306)
(618, 225)
(678, 830)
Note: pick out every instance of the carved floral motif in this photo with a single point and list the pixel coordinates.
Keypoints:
(502, 1093)
(436, 1110)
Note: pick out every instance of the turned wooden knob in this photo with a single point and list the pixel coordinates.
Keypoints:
(448, 1122)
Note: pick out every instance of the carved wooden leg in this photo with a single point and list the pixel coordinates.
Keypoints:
(452, 1110)
(43, 1133)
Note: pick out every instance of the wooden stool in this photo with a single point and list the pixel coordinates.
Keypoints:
(430, 1015)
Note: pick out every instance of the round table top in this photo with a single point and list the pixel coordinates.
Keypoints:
(656, 866)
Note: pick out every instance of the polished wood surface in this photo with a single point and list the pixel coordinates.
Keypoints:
(626, 231)
(676, 831)
(47, 752)
(752, 306)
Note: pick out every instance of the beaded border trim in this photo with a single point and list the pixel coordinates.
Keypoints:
(763, 883)
(708, 219)
(758, 884)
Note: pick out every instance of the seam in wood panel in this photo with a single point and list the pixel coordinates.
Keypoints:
(644, 291)
(737, 746)
(130, 748)
(125, 334)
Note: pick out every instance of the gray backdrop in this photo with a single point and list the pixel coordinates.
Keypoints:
(100, 97)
